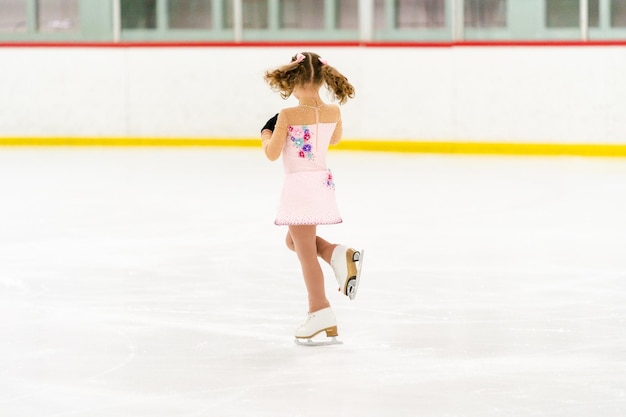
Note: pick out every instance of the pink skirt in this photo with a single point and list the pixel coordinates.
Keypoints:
(308, 197)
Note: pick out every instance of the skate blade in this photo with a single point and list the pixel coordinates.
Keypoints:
(310, 342)
(353, 285)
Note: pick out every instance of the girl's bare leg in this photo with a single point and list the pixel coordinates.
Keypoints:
(303, 240)
(323, 247)
(344, 263)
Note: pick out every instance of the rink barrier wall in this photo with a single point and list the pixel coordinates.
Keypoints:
(487, 97)
(477, 148)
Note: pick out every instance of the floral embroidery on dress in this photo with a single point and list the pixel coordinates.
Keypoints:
(300, 139)
(329, 180)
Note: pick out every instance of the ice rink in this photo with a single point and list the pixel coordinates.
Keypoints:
(152, 282)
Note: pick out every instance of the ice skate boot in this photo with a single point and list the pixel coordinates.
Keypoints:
(346, 263)
(315, 323)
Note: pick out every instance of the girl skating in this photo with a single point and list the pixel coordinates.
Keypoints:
(302, 134)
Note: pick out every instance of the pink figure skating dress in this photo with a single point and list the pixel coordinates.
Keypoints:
(308, 195)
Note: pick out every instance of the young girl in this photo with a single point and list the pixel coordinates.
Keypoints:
(302, 135)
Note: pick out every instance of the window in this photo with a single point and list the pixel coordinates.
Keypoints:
(138, 14)
(57, 15)
(485, 13)
(254, 14)
(566, 13)
(347, 14)
(380, 16)
(189, 14)
(302, 14)
(12, 16)
(420, 13)
(618, 13)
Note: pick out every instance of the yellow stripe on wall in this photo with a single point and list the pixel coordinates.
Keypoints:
(112, 141)
(483, 148)
(487, 148)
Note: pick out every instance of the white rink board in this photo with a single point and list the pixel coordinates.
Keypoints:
(540, 94)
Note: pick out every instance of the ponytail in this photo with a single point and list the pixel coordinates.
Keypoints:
(309, 68)
(337, 83)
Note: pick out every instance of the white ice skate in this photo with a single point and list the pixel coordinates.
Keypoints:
(346, 263)
(315, 323)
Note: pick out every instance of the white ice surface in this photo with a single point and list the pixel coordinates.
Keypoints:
(152, 282)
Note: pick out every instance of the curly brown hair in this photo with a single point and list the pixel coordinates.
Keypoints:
(308, 68)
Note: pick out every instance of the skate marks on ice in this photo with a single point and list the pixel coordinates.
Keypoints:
(126, 295)
(317, 341)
